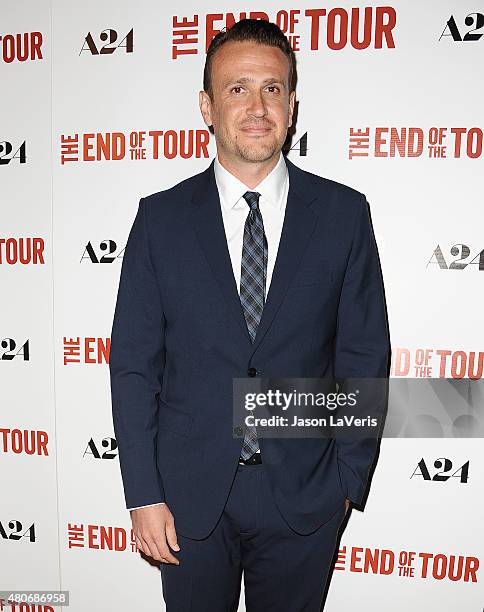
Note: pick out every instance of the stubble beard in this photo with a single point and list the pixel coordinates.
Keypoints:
(255, 153)
(258, 153)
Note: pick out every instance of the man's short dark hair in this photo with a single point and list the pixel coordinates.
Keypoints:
(253, 30)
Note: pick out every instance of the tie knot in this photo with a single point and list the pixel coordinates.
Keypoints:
(252, 199)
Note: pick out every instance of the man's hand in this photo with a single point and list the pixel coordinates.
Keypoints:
(154, 530)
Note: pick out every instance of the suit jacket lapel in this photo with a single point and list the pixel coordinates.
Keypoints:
(208, 224)
(298, 226)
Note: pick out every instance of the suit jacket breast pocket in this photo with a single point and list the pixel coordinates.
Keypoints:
(312, 276)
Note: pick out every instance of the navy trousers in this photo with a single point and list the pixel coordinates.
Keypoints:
(282, 569)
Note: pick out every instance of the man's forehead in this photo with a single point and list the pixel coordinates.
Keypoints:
(249, 63)
(233, 78)
(248, 51)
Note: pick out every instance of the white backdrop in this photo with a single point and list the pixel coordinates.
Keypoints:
(69, 195)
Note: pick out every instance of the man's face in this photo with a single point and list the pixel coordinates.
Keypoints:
(251, 107)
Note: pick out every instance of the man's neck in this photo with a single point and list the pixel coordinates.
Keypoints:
(249, 173)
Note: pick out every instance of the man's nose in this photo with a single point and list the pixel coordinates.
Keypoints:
(256, 105)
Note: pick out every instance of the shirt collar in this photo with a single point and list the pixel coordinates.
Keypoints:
(271, 188)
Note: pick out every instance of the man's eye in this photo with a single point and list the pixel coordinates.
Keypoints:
(236, 87)
(274, 87)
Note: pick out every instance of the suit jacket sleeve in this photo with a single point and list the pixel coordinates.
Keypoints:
(136, 363)
(361, 344)
(146, 506)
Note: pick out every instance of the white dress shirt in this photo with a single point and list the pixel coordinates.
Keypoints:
(272, 205)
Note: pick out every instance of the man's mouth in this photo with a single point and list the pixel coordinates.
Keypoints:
(256, 129)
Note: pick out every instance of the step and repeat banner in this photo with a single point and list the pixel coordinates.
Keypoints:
(99, 107)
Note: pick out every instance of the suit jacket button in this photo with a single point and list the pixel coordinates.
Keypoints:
(252, 372)
(238, 431)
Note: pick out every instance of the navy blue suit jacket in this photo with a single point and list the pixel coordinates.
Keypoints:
(179, 337)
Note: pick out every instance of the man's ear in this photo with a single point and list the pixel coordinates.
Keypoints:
(205, 107)
(292, 99)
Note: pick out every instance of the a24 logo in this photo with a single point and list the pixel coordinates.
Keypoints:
(473, 19)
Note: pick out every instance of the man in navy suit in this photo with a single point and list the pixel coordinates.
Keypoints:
(257, 268)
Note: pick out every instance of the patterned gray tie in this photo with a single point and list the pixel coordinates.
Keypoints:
(252, 288)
